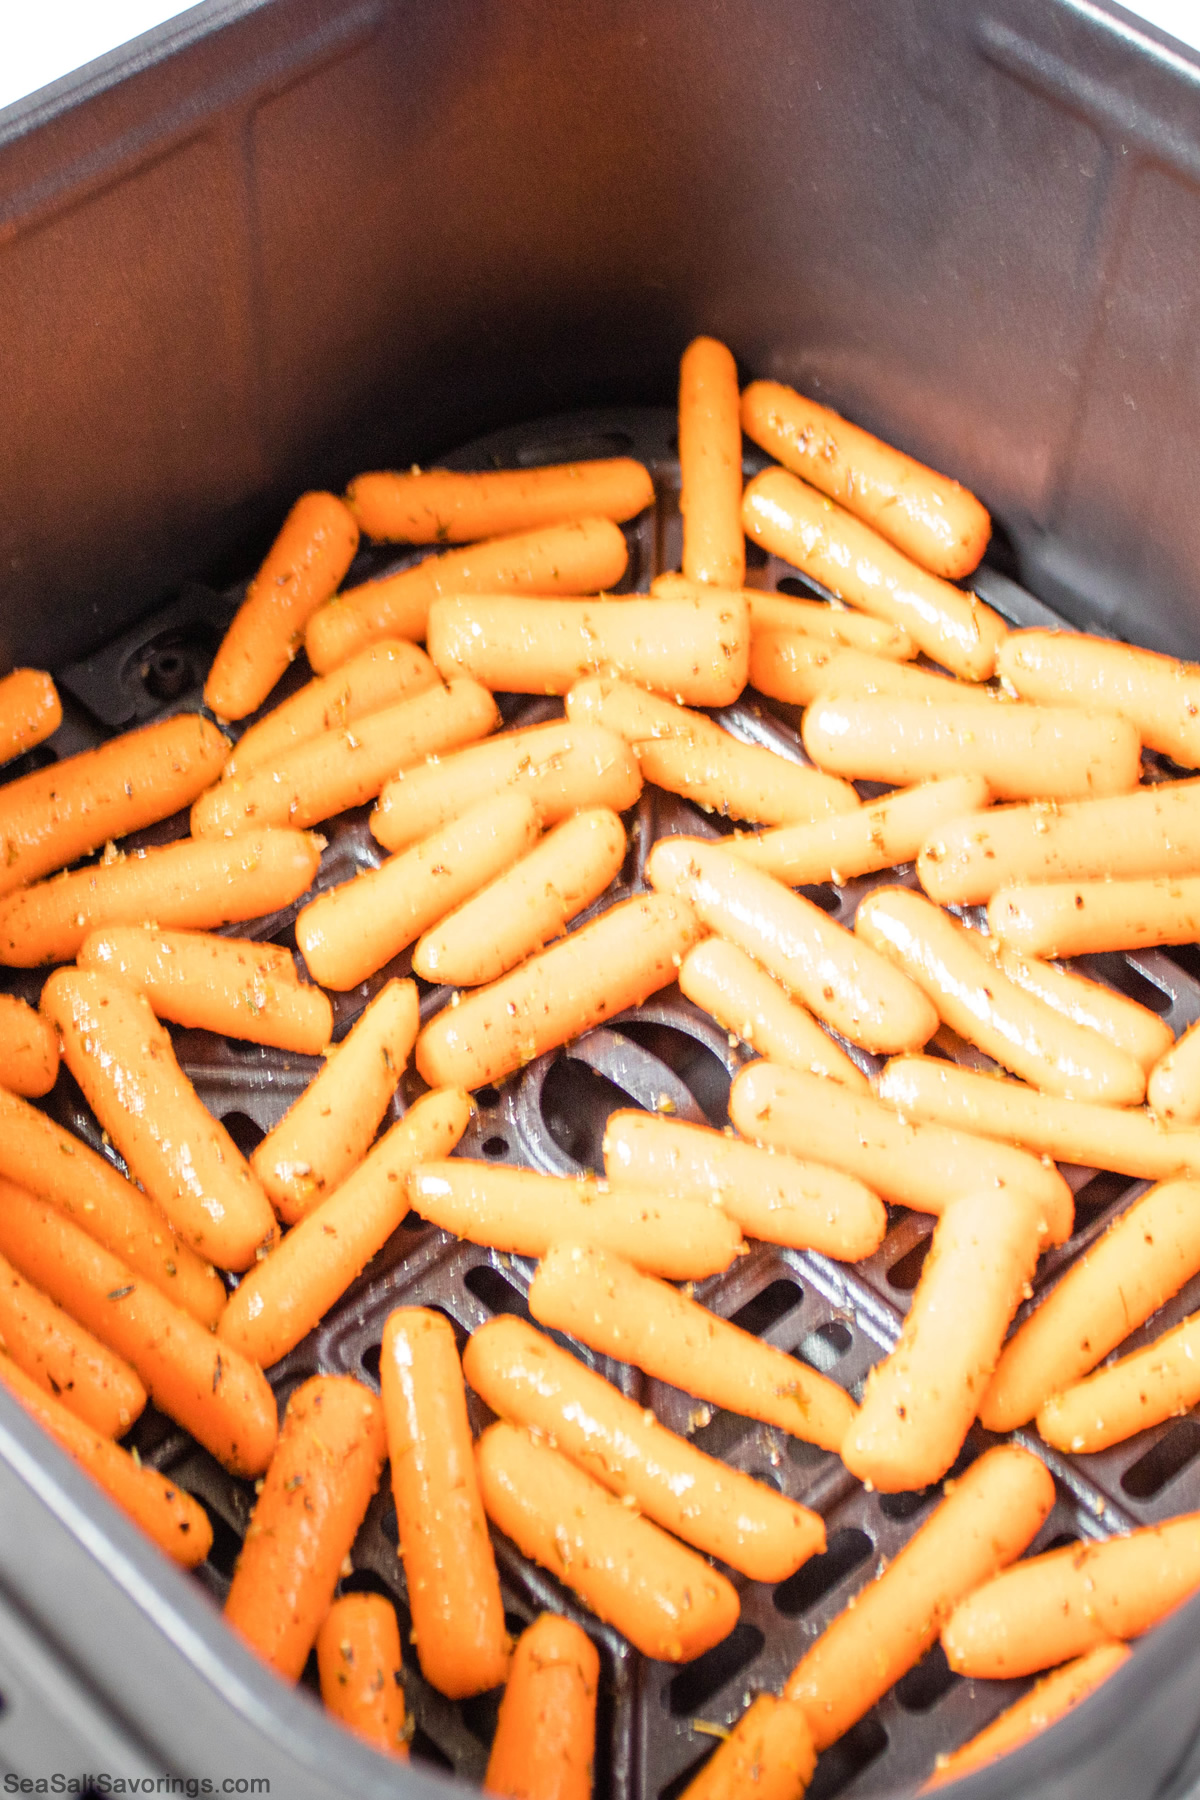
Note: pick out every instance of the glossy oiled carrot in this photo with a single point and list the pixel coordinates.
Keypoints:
(30, 710)
(753, 1006)
(609, 1305)
(546, 1733)
(579, 557)
(193, 885)
(56, 815)
(453, 1587)
(1143, 1389)
(218, 1396)
(359, 1664)
(312, 1501)
(769, 1753)
(453, 506)
(710, 465)
(1134, 1028)
(786, 665)
(177, 1523)
(28, 1049)
(1158, 694)
(65, 1360)
(329, 1129)
(834, 624)
(667, 1601)
(289, 1292)
(185, 1159)
(1173, 1090)
(303, 567)
(229, 985)
(1079, 918)
(377, 678)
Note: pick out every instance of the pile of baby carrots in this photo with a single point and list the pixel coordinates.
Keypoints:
(1017, 782)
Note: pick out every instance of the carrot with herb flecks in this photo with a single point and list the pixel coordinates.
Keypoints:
(359, 1664)
(1124, 1022)
(769, 1752)
(460, 506)
(30, 710)
(786, 665)
(754, 1006)
(1159, 694)
(65, 1360)
(28, 1049)
(1159, 1382)
(813, 618)
(546, 1733)
(1084, 918)
(710, 465)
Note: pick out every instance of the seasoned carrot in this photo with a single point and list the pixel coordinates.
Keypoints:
(352, 930)
(525, 1378)
(218, 1396)
(609, 1305)
(617, 960)
(185, 1159)
(1143, 1258)
(987, 1518)
(177, 1523)
(65, 1360)
(786, 665)
(329, 1129)
(303, 567)
(773, 1197)
(311, 1503)
(907, 1162)
(579, 557)
(1134, 1028)
(560, 767)
(1149, 1386)
(1078, 918)
(1173, 1091)
(857, 565)
(834, 624)
(377, 678)
(1158, 694)
(192, 885)
(755, 1007)
(28, 1049)
(769, 1753)
(289, 1292)
(710, 465)
(546, 1733)
(669, 1603)
(230, 985)
(452, 506)
(359, 1664)
(524, 1212)
(56, 815)
(30, 710)
(54, 1165)
(845, 982)
(453, 1587)
(931, 517)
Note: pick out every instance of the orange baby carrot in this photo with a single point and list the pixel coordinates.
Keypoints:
(289, 1292)
(453, 1587)
(546, 1733)
(312, 1501)
(28, 1049)
(578, 557)
(785, 665)
(177, 1523)
(525, 1378)
(1158, 694)
(359, 1663)
(667, 1601)
(187, 1162)
(375, 679)
(769, 1753)
(1134, 1028)
(30, 710)
(56, 815)
(218, 1396)
(192, 885)
(329, 1129)
(609, 1305)
(230, 985)
(452, 506)
(1159, 1382)
(987, 1518)
(710, 465)
(314, 549)
(65, 1360)
(1079, 918)
(755, 1007)
(832, 624)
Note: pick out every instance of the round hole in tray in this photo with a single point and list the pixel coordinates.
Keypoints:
(495, 1146)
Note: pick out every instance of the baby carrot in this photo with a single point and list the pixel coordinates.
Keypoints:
(616, 961)
(857, 565)
(230, 985)
(186, 1161)
(65, 1360)
(577, 557)
(669, 1603)
(347, 766)
(177, 1523)
(30, 710)
(845, 982)
(28, 1049)
(1173, 1091)
(451, 506)
(1134, 1028)
(359, 1664)
(312, 1501)
(689, 754)
(203, 1385)
(303, 567)
(329, 1129)
(769, 1753)
(525, 1378)
(611, 1306)
(1158, 694)
(785, 665)
(834, 624)
(1079, 918)
(192, 885)
(1065, 1602)
(289, 1292)
(546, 1734)
(753, 1006)
(54, 1165)
(1143, 1258)
(453, 1587)
(378, 677)
(987, 1518)
(710, 465)
(525, 1213)
(907, 1162)
(56, 815)
(933, 519)
(1151, 1385)
(528, 906)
